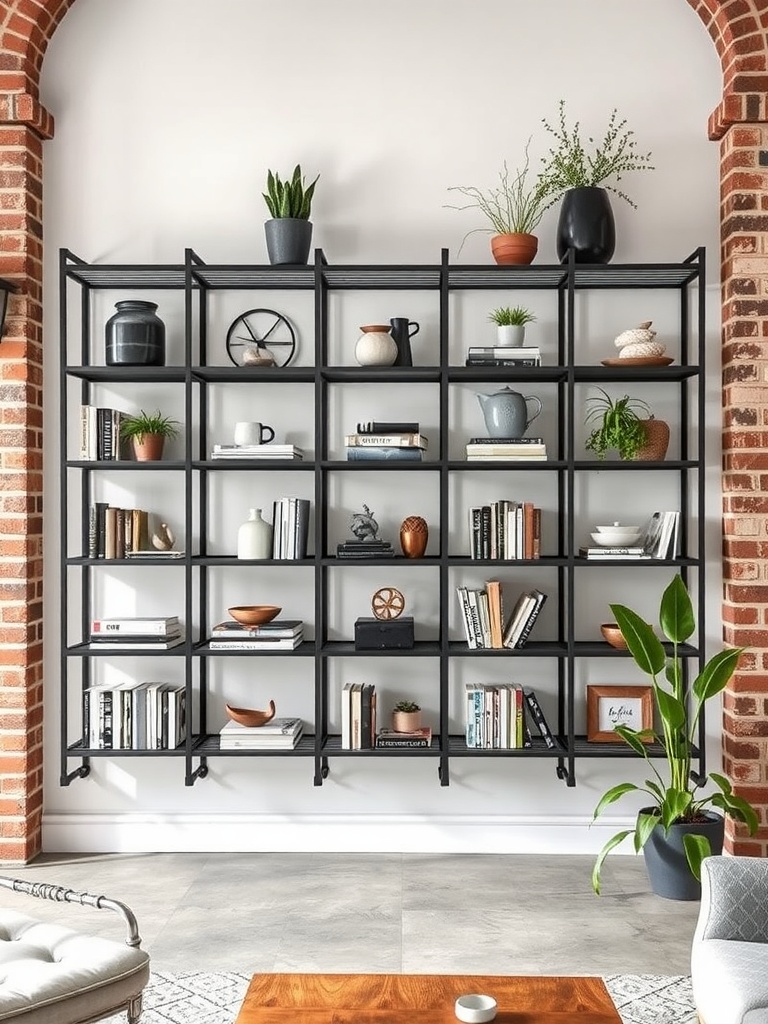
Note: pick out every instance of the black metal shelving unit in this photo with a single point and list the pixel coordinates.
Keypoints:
(197, 280)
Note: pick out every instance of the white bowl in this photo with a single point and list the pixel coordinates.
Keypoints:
(608, 539)
(475, 1009)
(617, 528)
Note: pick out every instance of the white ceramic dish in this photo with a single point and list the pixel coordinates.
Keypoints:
(617, 528)
(618, 539)
(475, 1009)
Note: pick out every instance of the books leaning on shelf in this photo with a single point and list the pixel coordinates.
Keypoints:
(390, 739)
(136, 633)
(277, 734)
(135, 716)
(278, 635)
(390, 442)
(536, 715)
(518, 355)
(358, 716)
(504, 530)
(524, 615)
(511, 449)
(290, 528)
(483, 617)
(495, 717)
(660, 538)
(118, 532)
(100, 434)
(257, 451)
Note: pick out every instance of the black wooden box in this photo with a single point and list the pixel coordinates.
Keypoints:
(379, 634)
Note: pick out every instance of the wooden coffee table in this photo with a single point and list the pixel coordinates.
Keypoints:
(414, 998)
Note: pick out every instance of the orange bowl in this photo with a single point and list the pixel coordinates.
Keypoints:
(254, 614)
(613, 635)
(250, 716)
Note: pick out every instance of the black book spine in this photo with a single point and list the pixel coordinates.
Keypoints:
(93, 549)
(538, 716)
(366, 717)
(529, 623)
(387, 427)
(485, 534)
(101, 528)
(477, 529)
(105, 719)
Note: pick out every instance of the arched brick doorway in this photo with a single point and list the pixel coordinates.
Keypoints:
(739, 30)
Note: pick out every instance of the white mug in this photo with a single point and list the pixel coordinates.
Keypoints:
(248, 432)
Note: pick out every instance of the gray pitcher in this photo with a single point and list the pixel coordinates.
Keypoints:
(506, 412)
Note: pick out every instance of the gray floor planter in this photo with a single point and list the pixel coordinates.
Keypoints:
(288, 239)
(665, 860)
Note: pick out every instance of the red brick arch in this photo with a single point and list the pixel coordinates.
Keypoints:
(739, 31)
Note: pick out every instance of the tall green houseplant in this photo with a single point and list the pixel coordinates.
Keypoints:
(674, 799)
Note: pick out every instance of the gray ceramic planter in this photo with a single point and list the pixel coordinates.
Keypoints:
(288, 239)
(665, 859)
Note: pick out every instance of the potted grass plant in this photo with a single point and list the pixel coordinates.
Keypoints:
(510, 322)
(289, 232)
(147, 433)
(676, 829)
(619, 425)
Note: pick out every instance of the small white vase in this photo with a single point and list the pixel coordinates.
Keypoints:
(511, 334)
(254, 537)
(376, 346)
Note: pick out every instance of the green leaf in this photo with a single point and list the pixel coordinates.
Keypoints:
(270, 204)
(613, 794)
(612, 842)
(646, 823)
(738, 808)
(632, 737)
(696, 849)
(671, 710)
(676, 803)
(716, 673)
(722, 782)
(644, 646)
(656, 789)
(676, 612)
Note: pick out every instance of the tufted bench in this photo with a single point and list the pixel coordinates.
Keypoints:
(54, 975)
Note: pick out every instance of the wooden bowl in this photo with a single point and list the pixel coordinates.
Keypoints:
(254, 614)
(613, 635)
(250, 716)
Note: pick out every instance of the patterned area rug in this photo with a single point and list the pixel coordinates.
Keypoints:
(216, 999)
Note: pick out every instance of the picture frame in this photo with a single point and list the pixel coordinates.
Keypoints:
(609, 706)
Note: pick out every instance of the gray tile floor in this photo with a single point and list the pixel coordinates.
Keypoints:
(424, 913)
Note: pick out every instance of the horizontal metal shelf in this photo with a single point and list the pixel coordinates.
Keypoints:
(85, 650)
(385, 277)
(128, 374)
(208, 745)
(332, 748)
(635, 275)
(551, 276)
(533, 649)
(245, 276)
(620, 374)
(79, 560)
(80, 750)
(506, 374)
(254, 374)
(457, 747)
(602, 649)
(346, 649)
(306, 649)
(381, 374)
(374, 465)
(466, 561)
(221, 560)
(582, 747)
(121, 465)
(631, 465)
(641, 562)
(508, 465)
(267, 465)
(126, 275)
(398, 560)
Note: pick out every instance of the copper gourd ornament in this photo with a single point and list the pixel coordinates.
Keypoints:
(414, 534)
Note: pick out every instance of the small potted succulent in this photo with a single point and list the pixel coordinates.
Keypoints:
(620, 426)
(406, 716)
(289, 233)
(510, 322)
(147, 433)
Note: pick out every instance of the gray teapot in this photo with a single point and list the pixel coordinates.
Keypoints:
(506, 412)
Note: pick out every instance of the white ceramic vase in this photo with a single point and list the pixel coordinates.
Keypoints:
(376, 346)
(254, 537)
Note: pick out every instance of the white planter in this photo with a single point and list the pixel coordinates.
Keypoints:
(511, 334)
(376, 346)
(254, 537)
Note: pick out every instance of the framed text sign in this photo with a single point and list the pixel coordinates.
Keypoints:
(609, 706)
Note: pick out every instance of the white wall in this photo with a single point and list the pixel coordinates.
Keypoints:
(168, 114)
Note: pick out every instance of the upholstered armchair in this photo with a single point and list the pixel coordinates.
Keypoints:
(53, 974)
(729, 958)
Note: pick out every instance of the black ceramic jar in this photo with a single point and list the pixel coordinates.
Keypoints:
(135, 336)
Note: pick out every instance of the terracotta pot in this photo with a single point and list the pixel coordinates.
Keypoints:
(406, 721)
(414, 534)
(148, 447)
(514, 248)
(655, 448)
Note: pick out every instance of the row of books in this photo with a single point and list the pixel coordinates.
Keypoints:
(116, 532)
(290, 528)
(358, 716)
(660, 538)
(500, 717)
(277, 734)
(257, 451)
(136, 633)
(135, 716)
(278, 635)
(99, 433)
(503, 355)
(483, 616)
(505, 529)
(393, 441)
(506, 449)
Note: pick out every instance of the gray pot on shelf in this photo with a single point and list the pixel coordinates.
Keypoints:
(288, 239)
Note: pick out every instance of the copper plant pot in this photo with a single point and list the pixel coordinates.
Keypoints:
(414, 534)
(514, 248)
(148, 447)
(406, 721)
(657, 441)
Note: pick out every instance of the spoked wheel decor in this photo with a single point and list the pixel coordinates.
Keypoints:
(261, 337)
(387, 603)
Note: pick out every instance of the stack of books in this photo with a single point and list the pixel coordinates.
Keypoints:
(386, 440)
(278, 635)
(139, 634)
(358, 716)
(500, 717)
(483, 617)
(511, 449)
(353, 549)
(389, 739)
(660, 538)
(505, 529)
(135, 716)
(99, 433)
(277, 734)
(290, 518)
(257, 451)
(504, 355)
(114, 532)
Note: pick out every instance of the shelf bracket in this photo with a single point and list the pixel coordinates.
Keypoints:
(564, 774)
(321, 770)
(443, 772)
(698, 778)
(79, 773)
(199, 773)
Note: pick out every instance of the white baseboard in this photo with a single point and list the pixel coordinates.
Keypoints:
(242, 833)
